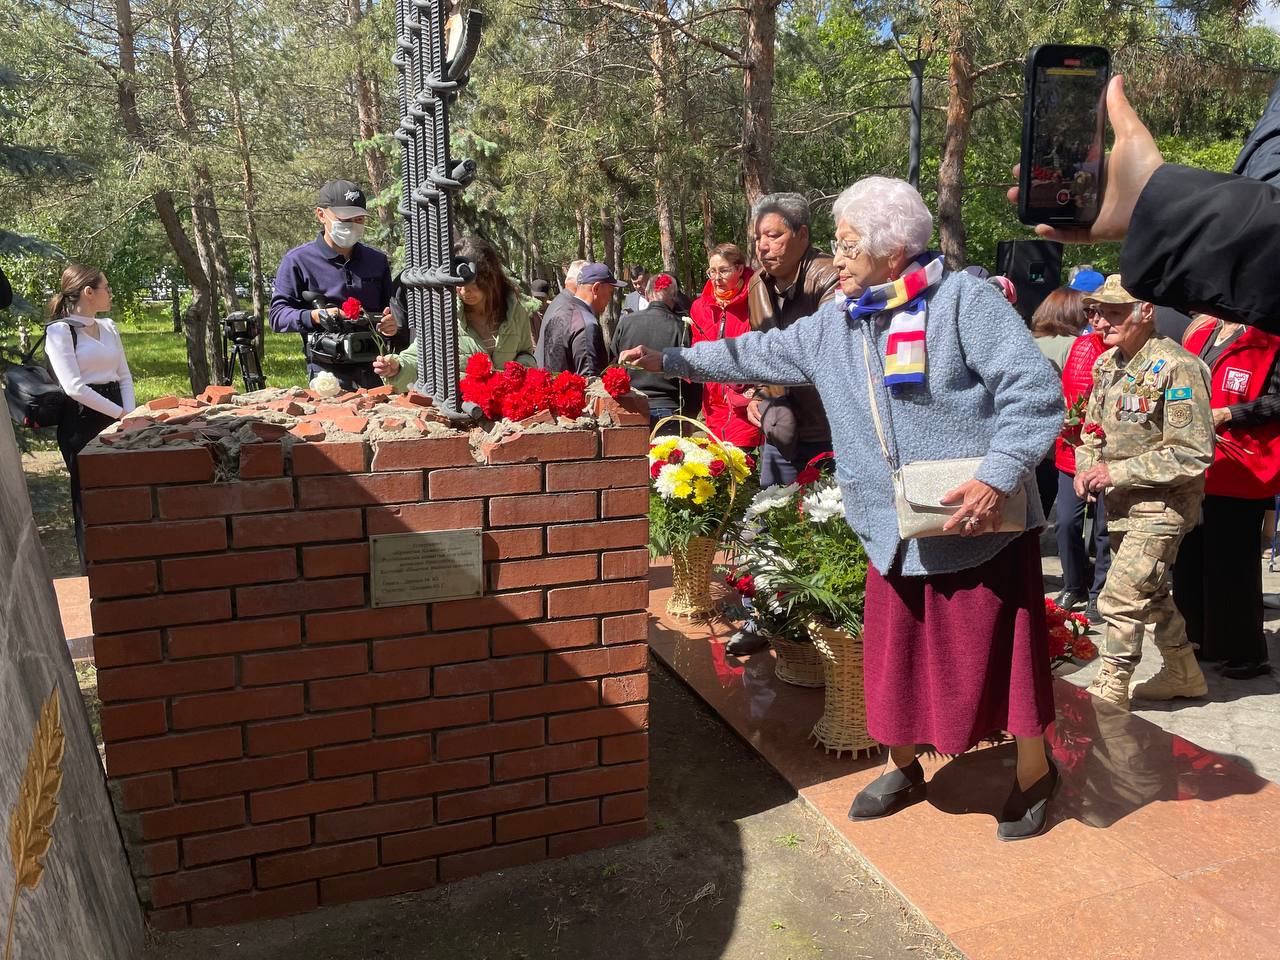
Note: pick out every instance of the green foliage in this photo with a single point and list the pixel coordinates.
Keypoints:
(804, 569)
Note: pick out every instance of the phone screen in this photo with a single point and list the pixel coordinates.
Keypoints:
(1065, 145)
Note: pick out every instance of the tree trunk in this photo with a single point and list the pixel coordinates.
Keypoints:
(210, 243)
(757, 100)
(166, 210)
(955, 142)
(708, 223)
(582, 235)
(662, 57)
(257, 284)
(369, 118)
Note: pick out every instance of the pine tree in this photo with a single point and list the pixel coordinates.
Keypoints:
(27, 163)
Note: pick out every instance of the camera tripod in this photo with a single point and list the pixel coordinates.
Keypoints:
(239, 348)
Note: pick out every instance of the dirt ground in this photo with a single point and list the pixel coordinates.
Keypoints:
(735, 868)
(51, 503)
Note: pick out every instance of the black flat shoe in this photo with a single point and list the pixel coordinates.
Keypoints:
(889, 793)
(1245, 671)
(746, 642)
(1026, 813)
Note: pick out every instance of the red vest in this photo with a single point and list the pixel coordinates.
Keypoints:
(1077, 381)
(1246, 461)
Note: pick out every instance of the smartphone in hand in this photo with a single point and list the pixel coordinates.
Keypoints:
(1064, 121)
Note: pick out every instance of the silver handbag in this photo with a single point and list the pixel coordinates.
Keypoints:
(918, 488)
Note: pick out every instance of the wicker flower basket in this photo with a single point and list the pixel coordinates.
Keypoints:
(843, 725)
(797, 663)
(691, 579)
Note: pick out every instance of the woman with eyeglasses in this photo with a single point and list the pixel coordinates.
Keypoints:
(921, 367)
(721, 313)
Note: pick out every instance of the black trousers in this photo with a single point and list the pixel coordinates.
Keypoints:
(778, 469)
(76, 427)
(1217, 581)
(1072, 549)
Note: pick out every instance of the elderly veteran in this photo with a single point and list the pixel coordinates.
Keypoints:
(1146, 444)
(955, 645)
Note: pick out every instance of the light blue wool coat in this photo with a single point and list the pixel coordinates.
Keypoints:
(989, 393)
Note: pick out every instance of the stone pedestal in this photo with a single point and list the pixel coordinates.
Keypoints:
(273, 742)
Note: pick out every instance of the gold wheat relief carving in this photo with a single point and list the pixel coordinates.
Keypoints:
(36, 809)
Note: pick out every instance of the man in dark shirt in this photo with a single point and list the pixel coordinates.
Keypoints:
(571, 338)
(657, 327)
(338, 266)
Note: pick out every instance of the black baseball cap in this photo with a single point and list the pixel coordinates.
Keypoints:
(593, 273)
(540, 289)
(344, 198)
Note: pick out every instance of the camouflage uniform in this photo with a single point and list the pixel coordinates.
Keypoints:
(1157, 443)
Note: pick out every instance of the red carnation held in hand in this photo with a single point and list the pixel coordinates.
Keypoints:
(617, 382)
(352, 308)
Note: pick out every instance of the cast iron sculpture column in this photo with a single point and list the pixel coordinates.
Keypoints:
(434, 49)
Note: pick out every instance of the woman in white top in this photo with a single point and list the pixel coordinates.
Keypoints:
(87, 358)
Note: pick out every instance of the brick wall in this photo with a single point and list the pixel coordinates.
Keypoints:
(273, 744)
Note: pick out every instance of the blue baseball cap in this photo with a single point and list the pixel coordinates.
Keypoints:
(1087, 281)
(593, 273)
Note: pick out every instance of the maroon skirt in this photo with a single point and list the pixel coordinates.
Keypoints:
(952, 658)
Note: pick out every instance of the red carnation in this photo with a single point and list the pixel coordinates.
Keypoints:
(515, 372)
(676, 456)
(479, 365)
(751, 463)
(617, 382)
(716, 467)
(656, 468)
(352, 308)
(808, 475)
(746, 586)
(662, 281)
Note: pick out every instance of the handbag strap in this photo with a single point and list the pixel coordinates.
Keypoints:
(875, 406)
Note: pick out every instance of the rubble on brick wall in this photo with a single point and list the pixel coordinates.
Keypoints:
(222, 419)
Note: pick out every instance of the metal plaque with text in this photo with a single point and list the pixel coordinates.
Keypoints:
(424, 567)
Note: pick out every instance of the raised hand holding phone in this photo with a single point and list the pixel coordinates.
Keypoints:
(1128, 167)
(1063, 135)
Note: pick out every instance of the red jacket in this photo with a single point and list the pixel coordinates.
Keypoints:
(724, 408)
(1077, 381)
(1246, 459)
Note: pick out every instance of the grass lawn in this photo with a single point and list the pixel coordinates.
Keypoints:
(158, 356)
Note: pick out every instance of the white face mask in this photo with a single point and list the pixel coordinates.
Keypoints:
(345, 235)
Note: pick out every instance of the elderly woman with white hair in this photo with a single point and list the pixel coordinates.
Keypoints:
(920, 370)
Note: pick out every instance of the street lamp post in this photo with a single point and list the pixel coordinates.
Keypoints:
(916, 65)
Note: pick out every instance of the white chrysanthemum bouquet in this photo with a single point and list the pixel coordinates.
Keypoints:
(799, 561)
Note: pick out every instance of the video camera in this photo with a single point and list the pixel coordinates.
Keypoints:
(241, 327)
(342, 342)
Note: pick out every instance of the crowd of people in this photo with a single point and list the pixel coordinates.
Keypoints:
(1158, 454)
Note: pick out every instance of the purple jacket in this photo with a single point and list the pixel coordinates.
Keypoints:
(317, 266)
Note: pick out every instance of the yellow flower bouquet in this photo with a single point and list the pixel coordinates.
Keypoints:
(698, 492)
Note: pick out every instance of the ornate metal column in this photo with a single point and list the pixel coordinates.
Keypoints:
(436, 43)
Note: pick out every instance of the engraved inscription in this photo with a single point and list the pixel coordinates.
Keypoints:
(423, 567)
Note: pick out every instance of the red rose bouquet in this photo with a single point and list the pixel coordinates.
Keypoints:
(1068, 635)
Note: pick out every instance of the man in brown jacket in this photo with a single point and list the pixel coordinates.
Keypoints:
(794, 278)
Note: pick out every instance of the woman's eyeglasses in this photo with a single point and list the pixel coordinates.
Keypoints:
(847, 250)
(713, 272)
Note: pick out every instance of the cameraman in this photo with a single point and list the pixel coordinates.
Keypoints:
(338, 266)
